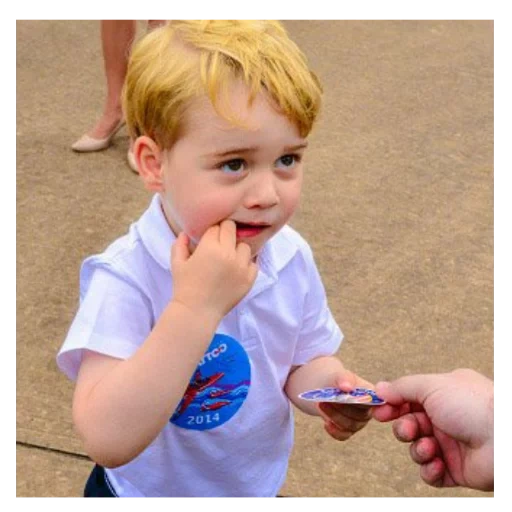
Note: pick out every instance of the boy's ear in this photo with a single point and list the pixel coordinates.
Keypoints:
(149, 158)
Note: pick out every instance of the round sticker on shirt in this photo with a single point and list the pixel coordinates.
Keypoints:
(218, 387)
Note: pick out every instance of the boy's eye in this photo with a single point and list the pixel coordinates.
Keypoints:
(233, 166)
(287, 161)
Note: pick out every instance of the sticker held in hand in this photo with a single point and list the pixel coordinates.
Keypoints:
(358, 396)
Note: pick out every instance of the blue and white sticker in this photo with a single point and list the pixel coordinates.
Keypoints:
(218, 387)
(358, 396)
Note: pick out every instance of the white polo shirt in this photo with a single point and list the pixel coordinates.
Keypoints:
(232, 434)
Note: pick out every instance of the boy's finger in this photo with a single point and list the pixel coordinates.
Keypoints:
(227, 235)
(243, 253)
(353, 412)
(349, 380)
(339, 417)
(179, 250)
(336, 433)
(211, 234)
(253, 272)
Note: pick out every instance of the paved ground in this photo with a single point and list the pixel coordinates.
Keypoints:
(398, 206)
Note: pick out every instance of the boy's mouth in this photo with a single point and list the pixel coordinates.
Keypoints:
(245, 230)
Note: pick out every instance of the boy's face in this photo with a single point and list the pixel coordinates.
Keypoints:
(251, 174)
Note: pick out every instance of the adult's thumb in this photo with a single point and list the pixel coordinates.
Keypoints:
(411, 388)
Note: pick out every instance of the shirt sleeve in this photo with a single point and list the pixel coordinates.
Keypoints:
(114, 319)
(320, 335)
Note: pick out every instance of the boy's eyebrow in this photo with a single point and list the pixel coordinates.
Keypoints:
(252, 149)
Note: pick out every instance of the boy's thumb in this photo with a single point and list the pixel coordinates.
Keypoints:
(179, 250)
(347, 382)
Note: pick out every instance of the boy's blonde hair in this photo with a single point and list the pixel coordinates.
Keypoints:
(187, 59)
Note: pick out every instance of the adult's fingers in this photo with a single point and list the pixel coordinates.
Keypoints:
(435, 473)
(411, 388)
(424, 450)
(412, 426)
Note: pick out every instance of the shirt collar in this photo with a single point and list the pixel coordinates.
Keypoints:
(155, 233)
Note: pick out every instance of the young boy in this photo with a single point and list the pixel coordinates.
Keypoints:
(199, 327)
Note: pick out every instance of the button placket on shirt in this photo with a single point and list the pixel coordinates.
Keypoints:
(264, 281)
(243, 324)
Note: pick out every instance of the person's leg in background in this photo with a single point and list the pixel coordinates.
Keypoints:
(117, 37)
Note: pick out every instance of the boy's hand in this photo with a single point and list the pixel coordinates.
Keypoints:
(343, 421)
(217, 275)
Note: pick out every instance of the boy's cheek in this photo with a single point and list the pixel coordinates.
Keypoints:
(196, 226)
(193, 220)
(292, 203)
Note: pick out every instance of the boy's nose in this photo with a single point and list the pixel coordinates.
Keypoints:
(262, 192)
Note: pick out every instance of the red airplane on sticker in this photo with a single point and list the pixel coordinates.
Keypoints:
(218, 392)
(212, 406)
(196, 386)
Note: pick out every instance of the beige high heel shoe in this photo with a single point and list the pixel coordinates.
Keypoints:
(87, 144)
